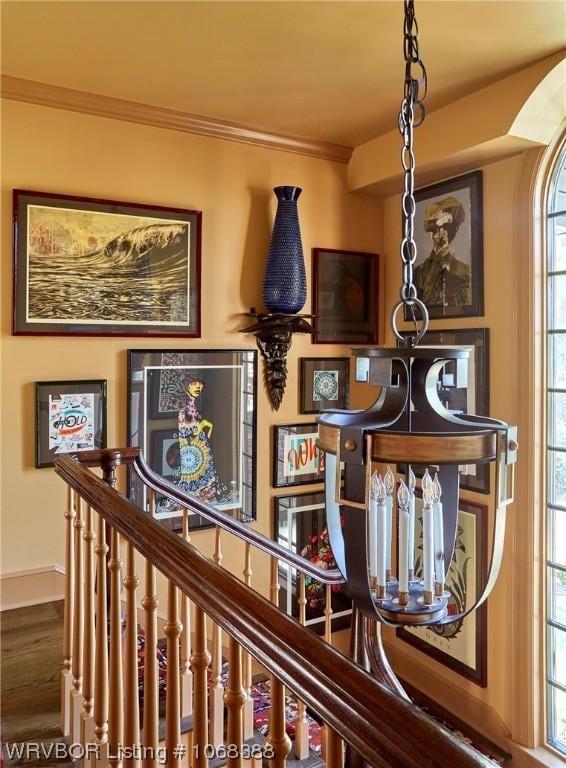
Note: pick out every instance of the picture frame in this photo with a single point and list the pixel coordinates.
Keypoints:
(206, 443)
(448, 270)
(300, 526)
(473, 477)
(324, 383)
(70, 416)
(119, 269)
(461, 646)
(297, 460)
(345, 297)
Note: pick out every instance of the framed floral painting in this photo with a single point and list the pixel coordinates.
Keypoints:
(193, 414)
(300, 526)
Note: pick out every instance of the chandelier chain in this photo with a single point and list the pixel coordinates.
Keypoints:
(411, 115)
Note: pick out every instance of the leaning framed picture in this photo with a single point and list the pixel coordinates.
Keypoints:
(474, 399)
(193, 414)
(345, 297)
(70, 416)
(461, 645)
(297, 460)
(448, 272)
(324, 383)
(84, 266)
(300, 526)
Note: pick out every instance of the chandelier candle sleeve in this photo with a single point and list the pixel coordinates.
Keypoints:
(381, 539)
(403, 564)
(373, 530)
(412, 486)
(438, 525)
(389, 482)
(428, 539)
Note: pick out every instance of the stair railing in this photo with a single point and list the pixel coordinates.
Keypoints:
(100, 675)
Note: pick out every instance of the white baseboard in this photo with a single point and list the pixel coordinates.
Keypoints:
(20, 589)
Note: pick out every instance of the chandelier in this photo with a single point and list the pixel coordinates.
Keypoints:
(377, 458)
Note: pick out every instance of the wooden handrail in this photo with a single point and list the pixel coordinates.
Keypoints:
(242, 531)
(385, 730)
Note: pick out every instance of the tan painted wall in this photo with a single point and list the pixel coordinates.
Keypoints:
(506, 248)
(60, 151)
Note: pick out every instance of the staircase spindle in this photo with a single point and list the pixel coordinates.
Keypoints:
(216, 701)
(235, 697)
(200, 661)
(333, 746)
(246, 658)
(301, 723)
(101, 646)
(87, 725)
(66, 671)
(131, 698)
(172, 631)
(78, 625)
(150, 679)
(116, 703)
(277, 736)
(186, 671)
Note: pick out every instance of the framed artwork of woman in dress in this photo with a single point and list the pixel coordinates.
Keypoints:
(194, 416)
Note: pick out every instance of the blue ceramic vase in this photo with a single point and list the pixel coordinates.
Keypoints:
(285, 281)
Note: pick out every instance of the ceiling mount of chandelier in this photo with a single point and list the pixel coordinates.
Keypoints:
(408, 442)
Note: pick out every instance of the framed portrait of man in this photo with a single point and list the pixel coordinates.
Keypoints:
(448, 271)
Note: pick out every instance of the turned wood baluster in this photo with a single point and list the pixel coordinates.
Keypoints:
(200, 661)
(216, 701)
(235, 697)
(78, 625)
(101, 657)
(301, 723)
(334, 748)
(247, 659)
(66, 671)
(87, 725)
(172, 631)
(150, 679)
(186, 672)
(116, 703)
(131, 699)
(277, 736)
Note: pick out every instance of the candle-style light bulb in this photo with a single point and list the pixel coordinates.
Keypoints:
(412, 485)
(373, 542)
(389, 483)
(428, 541)
(374, 485)
(438, 523)
(403, 564)
(381, 492)
(426, 481)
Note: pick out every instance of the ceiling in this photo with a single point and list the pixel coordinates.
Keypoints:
(324, 70)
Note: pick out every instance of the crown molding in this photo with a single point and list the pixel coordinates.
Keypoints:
(47, 95)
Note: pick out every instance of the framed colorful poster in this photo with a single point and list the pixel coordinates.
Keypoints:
(300, 526)
(448, 271)
(70, 416)
(325, 383)
(345, 297)
(296, 457)
(84, 266)
(474, 399)
(193, 414)
(462, 645)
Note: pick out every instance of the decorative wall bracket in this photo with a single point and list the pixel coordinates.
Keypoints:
(274, 334)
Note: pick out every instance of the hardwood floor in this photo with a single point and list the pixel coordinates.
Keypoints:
(30, 640)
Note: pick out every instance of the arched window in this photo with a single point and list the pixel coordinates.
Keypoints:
(556, 456)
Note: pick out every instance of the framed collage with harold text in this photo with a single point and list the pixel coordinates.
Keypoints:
(70, 416)
(193, 414)
(84, 266)
(297, 459)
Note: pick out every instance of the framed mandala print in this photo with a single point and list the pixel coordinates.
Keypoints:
(324, 383)
(193, 414)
